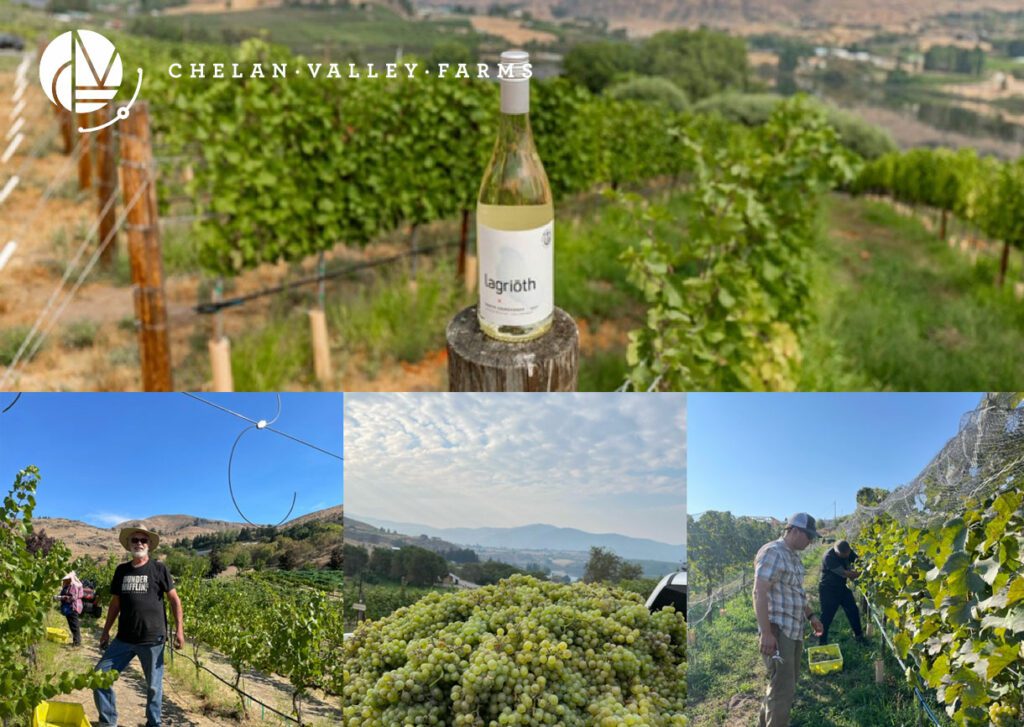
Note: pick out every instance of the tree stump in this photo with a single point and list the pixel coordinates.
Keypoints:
(477, 362)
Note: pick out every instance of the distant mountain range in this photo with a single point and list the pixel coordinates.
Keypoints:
(541, 537)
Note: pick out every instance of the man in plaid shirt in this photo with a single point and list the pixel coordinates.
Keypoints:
(781, 606)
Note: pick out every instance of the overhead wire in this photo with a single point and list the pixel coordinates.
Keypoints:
(261, 424)
(266, 423)
(13, 402)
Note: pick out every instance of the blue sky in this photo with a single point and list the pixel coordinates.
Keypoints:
(105, 458)
(775, 454)
(596, 462)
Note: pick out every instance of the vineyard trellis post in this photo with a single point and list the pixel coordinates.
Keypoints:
(318, 329)
(142, 225)
(466, 269)
(220, 364)
(471, 273)
(85, 155)
(106, 186)
(477, 362)
(414, 236)
(64, 120)
(220, 347)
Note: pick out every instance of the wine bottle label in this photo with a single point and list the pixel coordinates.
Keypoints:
(516, 276)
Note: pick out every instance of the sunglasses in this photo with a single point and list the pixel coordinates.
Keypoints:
(140, 541)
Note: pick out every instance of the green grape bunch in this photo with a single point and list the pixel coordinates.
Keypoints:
(522, 652)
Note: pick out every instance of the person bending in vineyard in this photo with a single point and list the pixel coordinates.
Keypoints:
(781, 606)
(836, 567)
(70, 597)
(137, 602)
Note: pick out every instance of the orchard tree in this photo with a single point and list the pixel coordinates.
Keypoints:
(604, 566)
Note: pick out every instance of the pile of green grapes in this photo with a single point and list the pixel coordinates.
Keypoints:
(523, 652)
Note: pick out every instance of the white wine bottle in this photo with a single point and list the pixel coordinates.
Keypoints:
(515, 227)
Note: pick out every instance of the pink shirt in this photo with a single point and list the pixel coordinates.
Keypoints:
(72, 594)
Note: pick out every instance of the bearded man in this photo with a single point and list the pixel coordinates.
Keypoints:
(137, 602)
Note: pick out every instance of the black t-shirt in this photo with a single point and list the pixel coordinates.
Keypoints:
(832, 562)
(142, 619)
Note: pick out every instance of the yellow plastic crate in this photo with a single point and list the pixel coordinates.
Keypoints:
(825, 666)
(59, 714)
(60, 636)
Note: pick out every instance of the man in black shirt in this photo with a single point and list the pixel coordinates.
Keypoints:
(137, 602)
(836, 567)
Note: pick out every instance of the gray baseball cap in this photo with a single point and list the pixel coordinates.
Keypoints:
(805, 522)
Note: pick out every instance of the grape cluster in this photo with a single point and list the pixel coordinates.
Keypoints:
(522, 652)
(1003, 715)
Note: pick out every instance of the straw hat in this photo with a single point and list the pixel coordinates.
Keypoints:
(127, 533)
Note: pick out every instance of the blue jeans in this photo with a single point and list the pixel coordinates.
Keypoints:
(117, 656)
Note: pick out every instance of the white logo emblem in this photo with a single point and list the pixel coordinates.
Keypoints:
(81, 71)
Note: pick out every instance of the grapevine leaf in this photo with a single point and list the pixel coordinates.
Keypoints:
(1000, 657)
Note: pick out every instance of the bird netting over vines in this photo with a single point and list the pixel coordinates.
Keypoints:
(986, 456)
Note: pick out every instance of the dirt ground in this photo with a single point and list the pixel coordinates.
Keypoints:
(179, 708)
(743, 709)
(183, 707)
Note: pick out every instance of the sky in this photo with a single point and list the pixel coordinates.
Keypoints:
(106, 458)
(596, 462)
(776, 454)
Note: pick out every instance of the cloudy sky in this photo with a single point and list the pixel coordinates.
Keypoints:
(597, 462)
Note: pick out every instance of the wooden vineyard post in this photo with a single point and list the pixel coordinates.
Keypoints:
(106, 185)
(64, 119)
(321, 346)
(220, 363)
(58, 111)
(219, 346)
(85, 157)
(879, 671)
(463, 244)
(471, 273)
(147, 267)
(479, 363)
(467, 263)
(414, 237)
(318, 330)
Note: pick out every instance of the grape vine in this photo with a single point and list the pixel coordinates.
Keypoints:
(28, 585)
(255, 624)
(725, 309)
(982, 191)
(955, 595)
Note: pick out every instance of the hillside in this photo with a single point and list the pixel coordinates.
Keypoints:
(741, 15)
(369, 536)
(85, 539)
(330, 514)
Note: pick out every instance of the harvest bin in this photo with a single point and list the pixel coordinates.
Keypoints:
(834, 662)
(60, 636)
(59, 714)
